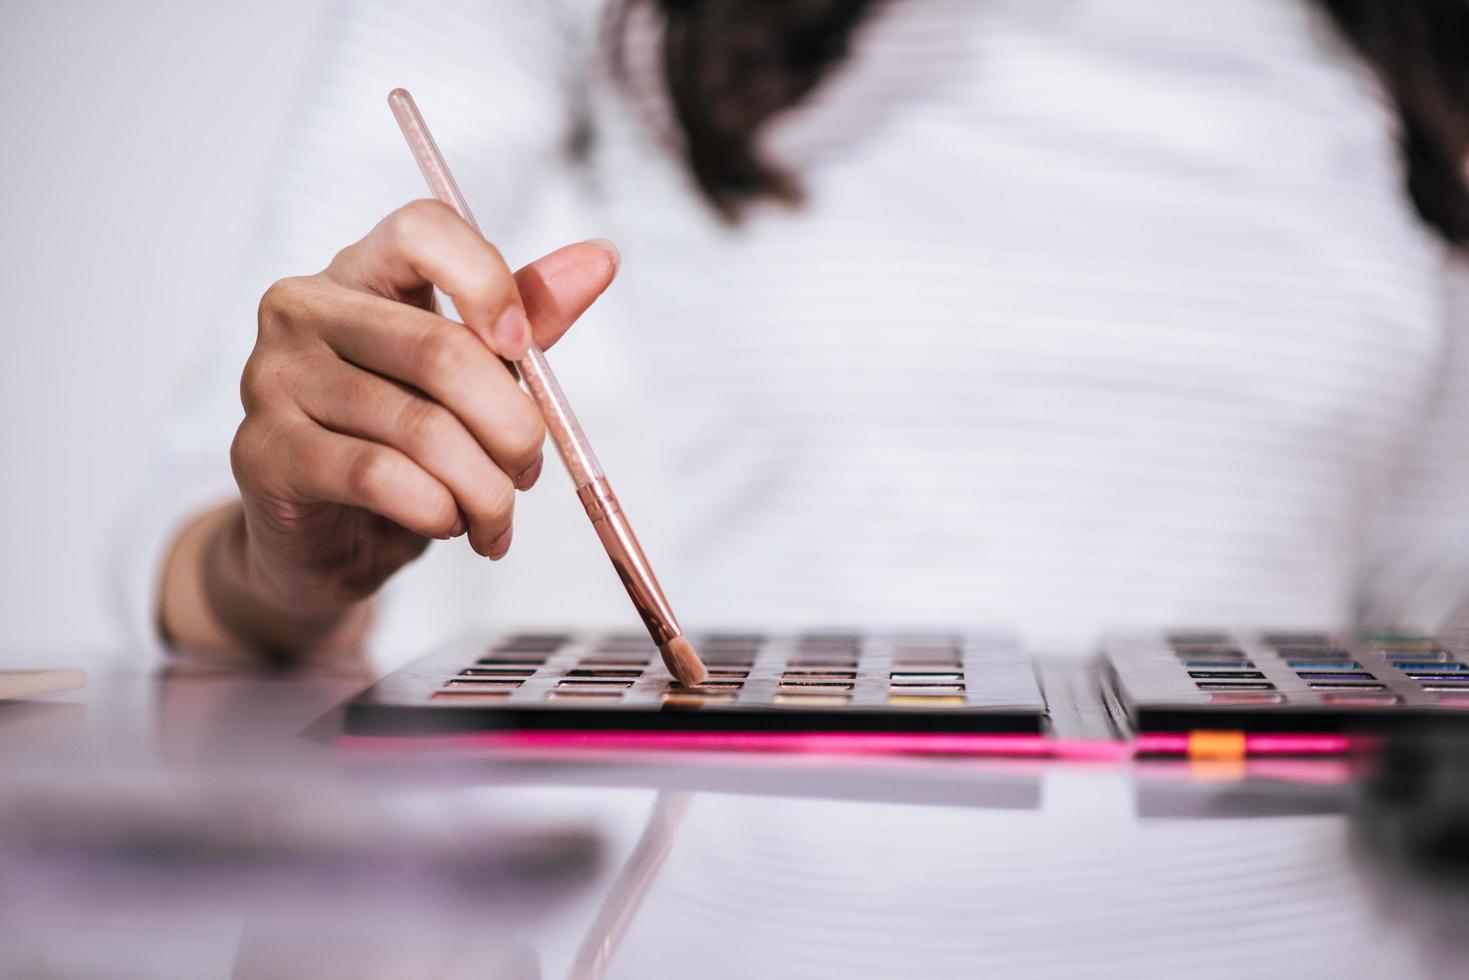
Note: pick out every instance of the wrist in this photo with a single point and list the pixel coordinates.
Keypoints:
(257, 609)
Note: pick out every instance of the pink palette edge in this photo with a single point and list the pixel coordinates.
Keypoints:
(849, 743)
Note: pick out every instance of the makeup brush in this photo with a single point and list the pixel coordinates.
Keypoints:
(566, 434)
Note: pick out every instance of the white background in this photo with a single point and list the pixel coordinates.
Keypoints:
(136, 142)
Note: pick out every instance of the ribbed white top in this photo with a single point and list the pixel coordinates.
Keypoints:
(1100, 313)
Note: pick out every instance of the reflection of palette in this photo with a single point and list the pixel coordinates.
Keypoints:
(1284, 681)
(810, 682)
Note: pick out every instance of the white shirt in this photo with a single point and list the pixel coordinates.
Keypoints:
(1099, 313)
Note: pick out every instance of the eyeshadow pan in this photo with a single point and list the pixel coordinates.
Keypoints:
(560, 695)
(922, 689)
(470, 696)
(592, 684)
(810, 700)
(1328, 675)
(1346, 686)
(816, 675)
(605, 672)
(553, 639)
(1196, 637)
(1247, 697)
(1428, 665)
(708, 685)
(816, 685)
(727, 660)
(1323, 665)
(624, 640)
(922, 666)
(921, 701)
(521, 671)
(691, 700)
(924, 677)
(481, 683)
(728, 653)
(1390, 641)
(1396, 656)
(544, 645)
(1448, 677)
(1367, 699)
(531, 661)
(613, 660)
(1219, 652)
(839, 637)
(1227, 675)
(1240, 664)
(745, 639)
(847, 663)
(1235, 686)
(1286, 638)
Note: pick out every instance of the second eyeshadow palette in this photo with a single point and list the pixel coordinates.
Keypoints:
(802, 682)
(1284, 681)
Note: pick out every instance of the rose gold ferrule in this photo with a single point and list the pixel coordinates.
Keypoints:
(627, 557)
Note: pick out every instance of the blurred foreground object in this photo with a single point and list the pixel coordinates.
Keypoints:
(276, 850)
(29, 683)
(1414, 808)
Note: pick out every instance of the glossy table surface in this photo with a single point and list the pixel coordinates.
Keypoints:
(198, 820)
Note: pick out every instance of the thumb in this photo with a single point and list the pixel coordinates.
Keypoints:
(558, 288)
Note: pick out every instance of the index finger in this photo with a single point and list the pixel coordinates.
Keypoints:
(424, 244)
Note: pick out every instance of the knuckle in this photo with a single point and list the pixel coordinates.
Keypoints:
(491, 286)
(440, 355)
(285, 302)
(368, 473)
(410, 223)
(257, 383)
(424, 423)
(243, 452)
(251, 451)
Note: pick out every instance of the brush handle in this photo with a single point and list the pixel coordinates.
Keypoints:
(592, 488)
(561, 424)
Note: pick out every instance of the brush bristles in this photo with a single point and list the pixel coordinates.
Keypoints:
(682, 662)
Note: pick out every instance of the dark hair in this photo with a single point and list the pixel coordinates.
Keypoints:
(730, 66)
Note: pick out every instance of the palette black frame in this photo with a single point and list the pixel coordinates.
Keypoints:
(997, 684)
(1182, 680)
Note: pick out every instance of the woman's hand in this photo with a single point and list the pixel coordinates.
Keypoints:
(373, 424)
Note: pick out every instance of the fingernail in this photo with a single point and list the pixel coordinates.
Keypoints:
(458, 528)
(611, 250)
(501, 545)
(511, 331)
(530, 474)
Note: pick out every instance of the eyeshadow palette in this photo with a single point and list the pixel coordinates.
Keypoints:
(828, 682)
(1284, 681)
